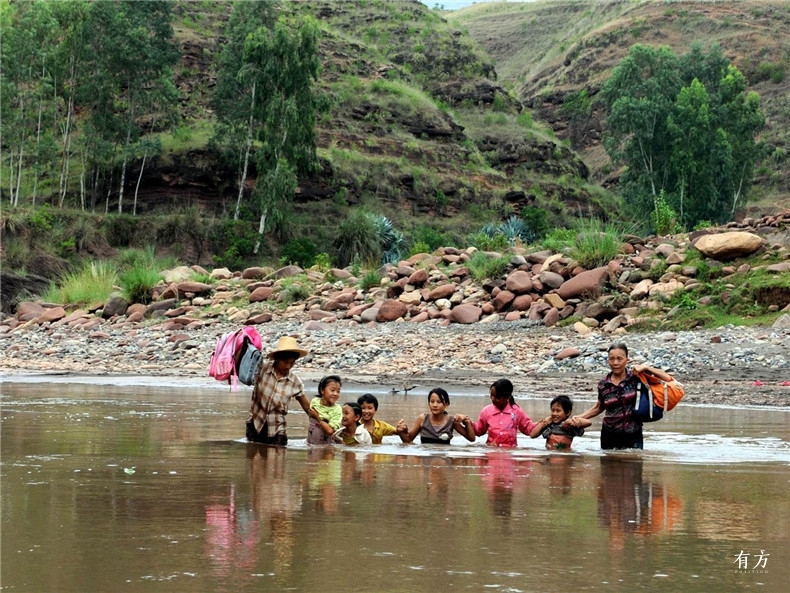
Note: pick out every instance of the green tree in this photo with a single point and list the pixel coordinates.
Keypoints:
(284, 61)
(29, 37)
(685, 126)
(234, 98)
(136, 63)
(690, 128)
(639, 96)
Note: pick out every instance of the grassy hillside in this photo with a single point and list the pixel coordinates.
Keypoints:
(550, 50)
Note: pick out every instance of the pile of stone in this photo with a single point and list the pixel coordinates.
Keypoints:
(539, 286)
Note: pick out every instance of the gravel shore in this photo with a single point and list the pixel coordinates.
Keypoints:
(731, 365)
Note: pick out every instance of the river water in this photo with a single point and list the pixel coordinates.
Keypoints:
(113, 484)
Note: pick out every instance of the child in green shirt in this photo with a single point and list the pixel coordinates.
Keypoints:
(320, 431)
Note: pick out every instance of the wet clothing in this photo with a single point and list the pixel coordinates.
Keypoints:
(620, 428)
(438, 435)
(381, 430)
(558, 438)
(360, 437)
(332, 414)
(270, 399)
(503, 425)
(611, 439)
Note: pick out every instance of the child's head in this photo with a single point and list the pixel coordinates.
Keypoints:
(438, 400)
(329, 389)
(501, 392)
(561, 408)
(351, 415)
(369, 405)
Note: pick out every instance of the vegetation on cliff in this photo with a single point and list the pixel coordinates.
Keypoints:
(420, 137)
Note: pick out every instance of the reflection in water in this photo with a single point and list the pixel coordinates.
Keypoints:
(324, 477)
(503, 475)
(275, 500)
(627, 504)
(560, 469)
(231, 538)
(204, 512)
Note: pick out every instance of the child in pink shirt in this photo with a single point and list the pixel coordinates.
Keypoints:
(502, 419)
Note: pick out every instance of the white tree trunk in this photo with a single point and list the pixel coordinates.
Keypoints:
(261, 227)
(64, 170)
(243, 178)
(19, 174)
(137, 187)
(82, 183)
(123, 167)
(38, 145)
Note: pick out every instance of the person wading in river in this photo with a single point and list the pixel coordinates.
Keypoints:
(275, 385)
(616, 398)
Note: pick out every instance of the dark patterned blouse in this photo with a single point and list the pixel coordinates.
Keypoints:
(618, 403)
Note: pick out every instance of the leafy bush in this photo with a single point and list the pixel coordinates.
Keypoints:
(536, 221)
(323, 262)
(663, 218)
(300, 252)
(596, 244)
(430, 236)
(703, 224)
(483, 241)
(482, 267)
(419, 247)
(234, 241)
(94, 283)
(120, 229)
(560, 240)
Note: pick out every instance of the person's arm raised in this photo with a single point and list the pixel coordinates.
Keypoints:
(645, 368)
(414, 430)
(463, 425)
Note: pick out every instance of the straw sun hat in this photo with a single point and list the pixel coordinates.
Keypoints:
(287, 344)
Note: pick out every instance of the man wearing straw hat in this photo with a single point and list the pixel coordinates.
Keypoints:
(274, 387)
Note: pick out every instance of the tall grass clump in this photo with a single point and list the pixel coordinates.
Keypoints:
(596, 243)
(371, 279)
(137, 282)
(294, 289)
(483, 267)
(94, 283)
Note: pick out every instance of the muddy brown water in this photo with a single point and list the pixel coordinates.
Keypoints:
(147, 485)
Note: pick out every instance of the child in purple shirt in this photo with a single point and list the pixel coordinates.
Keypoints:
(502, 419)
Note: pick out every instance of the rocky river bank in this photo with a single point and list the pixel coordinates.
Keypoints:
(543, 321)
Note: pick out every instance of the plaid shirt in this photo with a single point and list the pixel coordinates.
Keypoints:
(270, 398)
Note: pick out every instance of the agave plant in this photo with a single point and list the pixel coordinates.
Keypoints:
(390, 238)
(515, 228)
